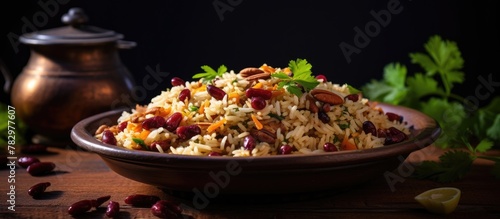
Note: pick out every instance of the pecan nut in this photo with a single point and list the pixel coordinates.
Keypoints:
(327, 96)
(246, 72)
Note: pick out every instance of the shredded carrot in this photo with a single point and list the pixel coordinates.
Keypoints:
(138, 127)
(267, 68)
(287, 70)
(165, 111)
(258, 85)
(258, 125)
(347, 145)
(276, 93)
(234, 95)
(198, 89)
(201, 110)
(144, 134)
(216, 125)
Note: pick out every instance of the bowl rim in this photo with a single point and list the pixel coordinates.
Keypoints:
(82, 137)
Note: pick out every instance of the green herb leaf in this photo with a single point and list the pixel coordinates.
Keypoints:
(353, 90)
(444, 58)
(272, 115)
(141, 143)
(210, 73)
(484, 145)
(302, 76)
(453, 165)
(392, 88)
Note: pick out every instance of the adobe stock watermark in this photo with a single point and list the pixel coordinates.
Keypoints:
(49, 9)
(149, 82)
(219, 181)
(223, 6)
(363, 37)
(483, 91)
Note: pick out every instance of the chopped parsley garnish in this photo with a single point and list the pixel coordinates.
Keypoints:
(343, 126)
(272, 115)
(193, 108)
(140, 142)
(210, 73)
(301, 79)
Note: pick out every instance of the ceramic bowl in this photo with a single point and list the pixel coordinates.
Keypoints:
(280, 174)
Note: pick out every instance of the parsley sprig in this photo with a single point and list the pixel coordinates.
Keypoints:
(430, 92)
(210, 73)
(301, 79)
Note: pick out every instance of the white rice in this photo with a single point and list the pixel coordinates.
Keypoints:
(304, 131)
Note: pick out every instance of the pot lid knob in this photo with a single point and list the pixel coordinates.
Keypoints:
(75, 17)
(76, 32)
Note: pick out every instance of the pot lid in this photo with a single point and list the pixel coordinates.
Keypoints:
(75, 33)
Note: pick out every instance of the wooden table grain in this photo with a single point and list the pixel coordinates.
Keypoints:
(83, 175)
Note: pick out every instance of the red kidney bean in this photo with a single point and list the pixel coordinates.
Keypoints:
(108, 137)
(321, 77)
(113, 209)
(352, 97)
(81, 207)
(323, 117)
(184, 95)
(122, 126)
(214, 154)
(173, 121)
(369, 127)
(249, 142)
(326, 107)
(27, 160)
(329, 147)
(258, 103)
(100, 200)
(381, 133)
(257, 92)
(40, 168)
(153, 122)
(176, 81)
(394, 117)
(164, 144)
(166, 209)
(34, 149)
(187, 132)
(141, 200)
(285, 149)
(215, 92)
(394, 135)
(38, 189)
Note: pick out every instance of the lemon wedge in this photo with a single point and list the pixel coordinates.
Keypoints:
(443, 200)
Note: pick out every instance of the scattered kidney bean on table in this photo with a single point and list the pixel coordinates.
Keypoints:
(37, 168)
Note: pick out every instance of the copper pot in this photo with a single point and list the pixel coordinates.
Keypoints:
(73, 72)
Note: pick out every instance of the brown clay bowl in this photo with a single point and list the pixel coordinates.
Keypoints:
(212, 176)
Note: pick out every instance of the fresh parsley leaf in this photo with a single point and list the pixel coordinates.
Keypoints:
(392, 88)
(483, 146)
(444, 58)
(210, 73)
(353, 90)
(272, 115)
(449, 115)
(452, 166)
(300, 80)
(140, 142)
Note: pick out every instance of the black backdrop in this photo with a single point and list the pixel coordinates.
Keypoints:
(180, 36)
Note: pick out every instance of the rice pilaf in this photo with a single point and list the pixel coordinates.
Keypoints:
(196, 118)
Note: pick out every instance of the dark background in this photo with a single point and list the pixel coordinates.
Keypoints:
(180, 36)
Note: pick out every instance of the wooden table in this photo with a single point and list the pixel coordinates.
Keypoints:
(82, 175)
